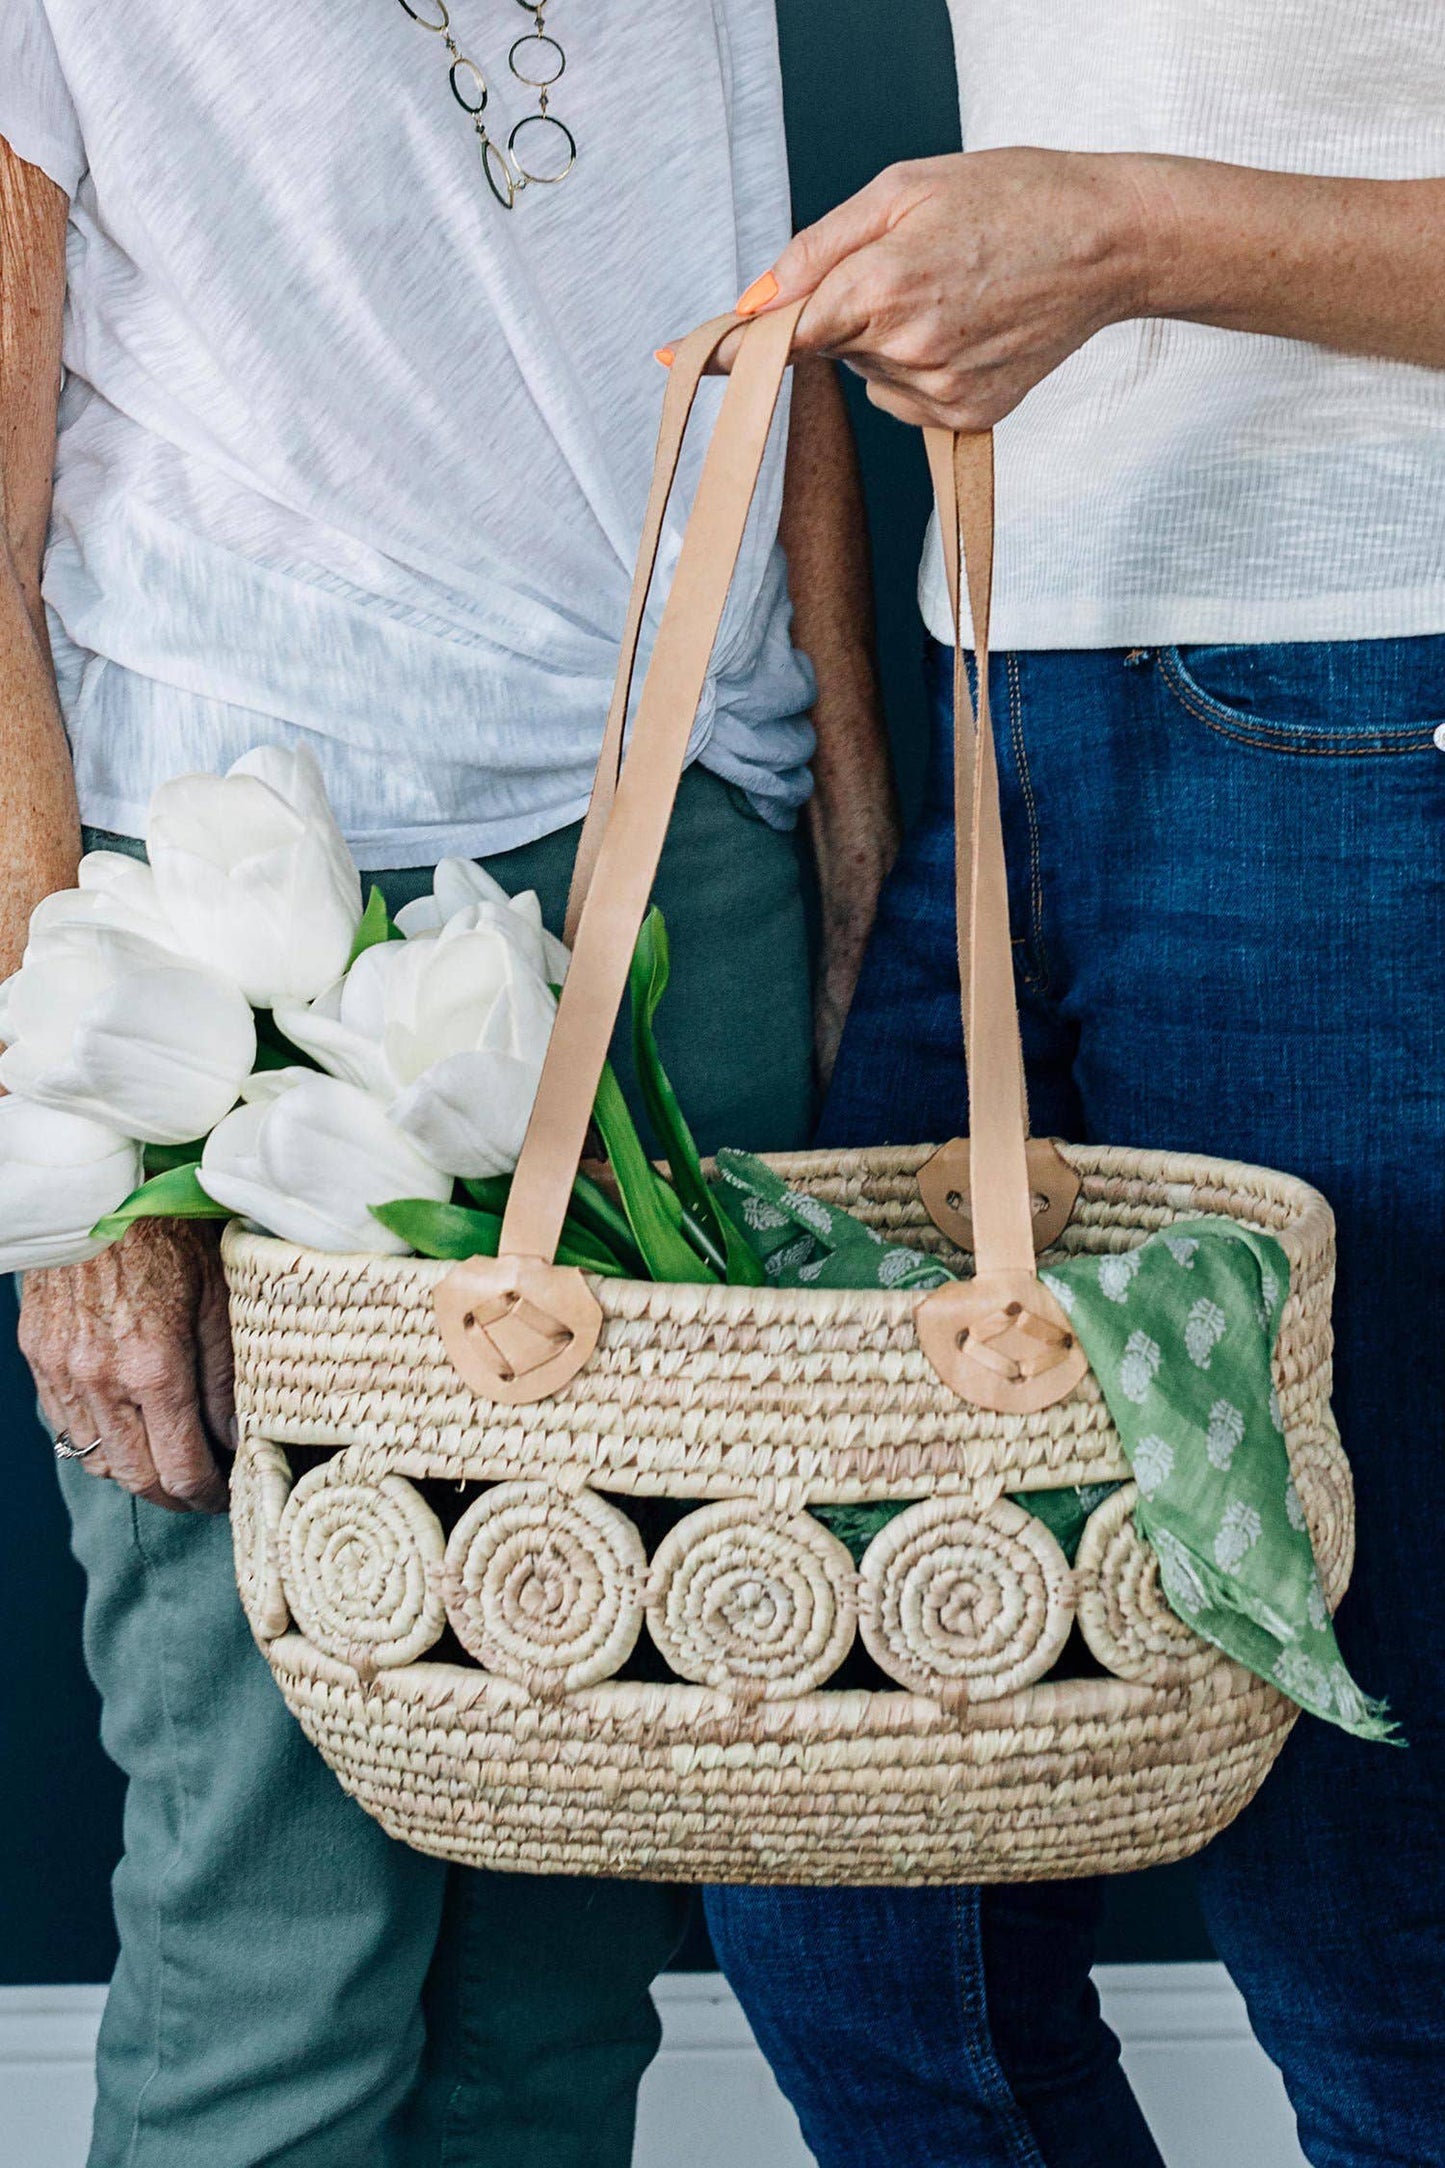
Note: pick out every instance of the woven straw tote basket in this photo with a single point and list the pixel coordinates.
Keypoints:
(431, 1498)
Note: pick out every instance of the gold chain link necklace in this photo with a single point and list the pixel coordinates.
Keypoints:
(541, 158)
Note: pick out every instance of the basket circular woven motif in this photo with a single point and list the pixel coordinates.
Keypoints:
(1122, 1610)
(449, 1591)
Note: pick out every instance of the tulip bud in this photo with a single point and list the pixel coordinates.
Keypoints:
(450, 1030)
(255, 876)
(105, 1024)
(305, 1158)
(464, 893)
(59, 1174)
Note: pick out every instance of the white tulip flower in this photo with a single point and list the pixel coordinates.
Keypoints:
(59, 1174)
(103, 1023)
(464, 892)
(255, 876)
(306, 1156)
(448, 1030)
(111, 890)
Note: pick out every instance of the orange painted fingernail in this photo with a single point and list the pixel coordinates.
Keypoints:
(758, 295)
(665, 355)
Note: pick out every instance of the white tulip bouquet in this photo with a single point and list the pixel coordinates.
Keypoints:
(224, 1030)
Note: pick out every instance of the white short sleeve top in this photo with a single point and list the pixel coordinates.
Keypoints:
(349, 452)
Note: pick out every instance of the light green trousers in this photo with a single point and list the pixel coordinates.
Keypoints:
(294, 1989)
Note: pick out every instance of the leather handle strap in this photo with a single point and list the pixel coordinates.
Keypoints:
(618, 882)
(1000, 1186)
(999, 1340)
(630, 813)
(689, 366)
(938, 443)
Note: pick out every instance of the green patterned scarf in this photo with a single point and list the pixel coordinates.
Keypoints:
(1179, 1334)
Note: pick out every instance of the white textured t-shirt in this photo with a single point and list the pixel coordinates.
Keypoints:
(1172, 482)
(349, 452)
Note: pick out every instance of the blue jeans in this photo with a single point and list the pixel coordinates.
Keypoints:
(1227, 876)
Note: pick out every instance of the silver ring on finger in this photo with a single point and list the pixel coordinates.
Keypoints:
(67, 1449)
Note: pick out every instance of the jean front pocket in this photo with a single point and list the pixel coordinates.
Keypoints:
(1329, 698)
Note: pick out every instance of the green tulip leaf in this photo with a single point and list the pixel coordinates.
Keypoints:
(163, 1158)
(576, 1248)
(455, 1231)
(709, 1228)
(440, 1230)
(374, 926)
(702, 1239)
(679, 1217)
(594, 1214)
(594, 1224)
(490, 1191)
(173, 1194)
(654, 1212)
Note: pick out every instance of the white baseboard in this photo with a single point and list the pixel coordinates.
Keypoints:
(47, 2046)
(1211, 2097)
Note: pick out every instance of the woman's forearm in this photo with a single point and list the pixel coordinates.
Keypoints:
(853, 814)
(825, 538)
(1352, 264)
(954, 285)
(39, 825)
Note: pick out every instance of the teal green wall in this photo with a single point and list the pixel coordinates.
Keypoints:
(867, 83)
(60, 1799)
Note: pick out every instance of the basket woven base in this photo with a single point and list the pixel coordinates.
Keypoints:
(642, 1782)
(458, 1664)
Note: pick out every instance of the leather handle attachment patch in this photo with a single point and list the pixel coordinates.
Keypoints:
(943, 1184)
(517, 1329)
(1001, 1342)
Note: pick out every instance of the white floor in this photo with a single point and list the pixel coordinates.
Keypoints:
(709, 2101)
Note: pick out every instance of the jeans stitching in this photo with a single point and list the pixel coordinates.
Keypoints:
(1220, 719)
(1037, 973)
(1012, 2123)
